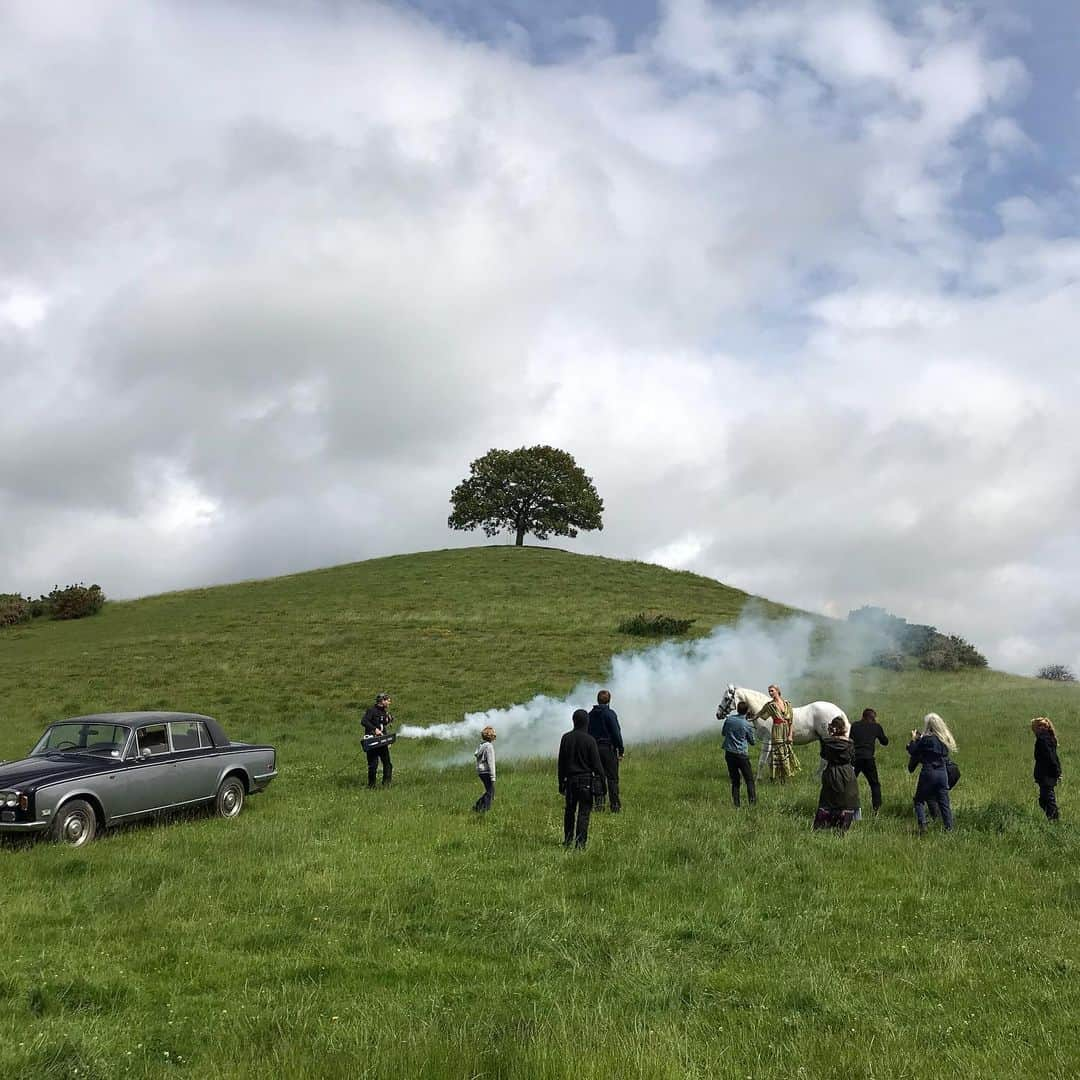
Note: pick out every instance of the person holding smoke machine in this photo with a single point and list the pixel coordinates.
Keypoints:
(604, 728)
(377, 721)
(579, 762)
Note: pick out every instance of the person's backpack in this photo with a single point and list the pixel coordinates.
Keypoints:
(952, 773)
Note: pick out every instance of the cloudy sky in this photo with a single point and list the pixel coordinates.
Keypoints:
(795, 281)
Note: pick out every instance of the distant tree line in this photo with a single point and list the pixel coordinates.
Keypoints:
(72, 602)
(905, 644)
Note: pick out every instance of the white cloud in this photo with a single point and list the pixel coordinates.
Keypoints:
(23, 309)
(294, 270)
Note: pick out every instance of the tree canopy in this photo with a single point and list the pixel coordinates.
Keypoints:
(534, 489)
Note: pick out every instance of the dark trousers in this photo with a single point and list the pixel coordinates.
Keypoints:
(738, 768)
(868, 767)
(485, 800)
(933, 787)
(373, 759)
(610, 760)
(1048, 800)
(579, 802)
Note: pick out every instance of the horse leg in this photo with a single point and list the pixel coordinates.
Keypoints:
(821, 761)
(763, 758)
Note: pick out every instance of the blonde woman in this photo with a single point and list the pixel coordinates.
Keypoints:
(1047, 765)
(930, 749)
(782, 760)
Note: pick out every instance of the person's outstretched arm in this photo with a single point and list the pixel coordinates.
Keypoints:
(616, 733)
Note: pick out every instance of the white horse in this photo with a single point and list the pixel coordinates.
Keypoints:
(808, 722)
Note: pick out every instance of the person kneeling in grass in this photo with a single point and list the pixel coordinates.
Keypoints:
(485, 769)
(838, 802)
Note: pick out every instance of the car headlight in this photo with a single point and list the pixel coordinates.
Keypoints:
(9, 798)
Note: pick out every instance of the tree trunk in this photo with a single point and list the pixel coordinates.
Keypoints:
(520, 541)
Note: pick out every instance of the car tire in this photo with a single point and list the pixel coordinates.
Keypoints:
(230, 797)
(75, 823)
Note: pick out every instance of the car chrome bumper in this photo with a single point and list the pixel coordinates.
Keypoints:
(23, 826)
(262, 779)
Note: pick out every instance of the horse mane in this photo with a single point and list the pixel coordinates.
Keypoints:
(754, 698)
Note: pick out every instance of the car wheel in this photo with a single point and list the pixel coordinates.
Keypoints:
(75, 823)
(230, 797)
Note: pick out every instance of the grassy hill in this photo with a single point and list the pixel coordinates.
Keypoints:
(331, 932)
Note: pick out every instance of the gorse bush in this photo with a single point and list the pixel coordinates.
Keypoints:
(890, 661)
(75, 602)
(654, 625)
(38, 607)
(14, 609)
(1057, 673)
(932, 650)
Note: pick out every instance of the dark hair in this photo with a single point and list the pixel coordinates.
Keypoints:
(581, 718)
(380, 698)
(869, 715)
(742, 708)
(604, 697)
(837, 725)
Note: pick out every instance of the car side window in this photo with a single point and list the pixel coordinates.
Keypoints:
(188, 734)
(153, 740)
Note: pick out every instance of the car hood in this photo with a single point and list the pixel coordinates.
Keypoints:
(33, 770)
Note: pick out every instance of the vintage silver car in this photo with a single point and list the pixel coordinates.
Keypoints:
(91, 772)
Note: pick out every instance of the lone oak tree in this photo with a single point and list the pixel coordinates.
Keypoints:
(536, 489)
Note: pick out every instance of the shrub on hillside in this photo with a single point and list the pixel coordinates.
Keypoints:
(14, 609)
(933, 650)
(939, 660)
(39, 607)
(890, 661)
(654, 625)
(76, 601)
(1057, 673)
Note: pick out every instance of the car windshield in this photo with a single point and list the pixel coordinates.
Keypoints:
(82, 737)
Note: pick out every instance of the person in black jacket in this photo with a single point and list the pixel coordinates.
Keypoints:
(377, 721)
(1047, 765)
(604, 728)
(579, 761)
(864, 734)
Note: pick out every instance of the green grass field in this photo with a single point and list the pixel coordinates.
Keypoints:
(335, 932)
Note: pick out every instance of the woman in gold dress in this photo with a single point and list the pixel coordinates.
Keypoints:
(782, 760)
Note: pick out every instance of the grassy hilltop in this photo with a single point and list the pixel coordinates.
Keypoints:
(333, 932)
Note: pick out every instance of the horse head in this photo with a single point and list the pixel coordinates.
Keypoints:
(727, 703)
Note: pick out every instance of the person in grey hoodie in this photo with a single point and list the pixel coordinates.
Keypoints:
(485, 769)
